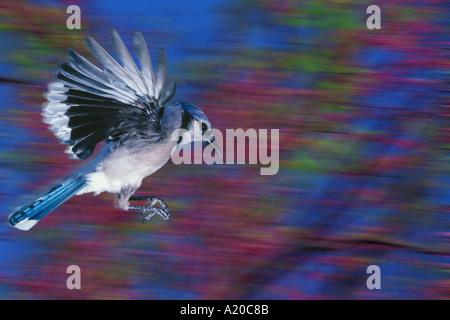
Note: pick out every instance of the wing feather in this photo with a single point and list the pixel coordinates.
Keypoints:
(128, 62)
(145, 62)
(108, 62)
(168, 93)
(161, 78)
(88, 104)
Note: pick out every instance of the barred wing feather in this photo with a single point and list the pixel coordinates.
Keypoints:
(87, 104)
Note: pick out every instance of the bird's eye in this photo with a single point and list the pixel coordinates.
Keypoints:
(204, 127)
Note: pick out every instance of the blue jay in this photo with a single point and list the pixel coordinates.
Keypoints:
(126, 106)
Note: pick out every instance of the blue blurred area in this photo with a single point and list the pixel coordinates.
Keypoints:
(364, 174)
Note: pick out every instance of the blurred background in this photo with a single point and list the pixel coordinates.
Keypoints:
(364, 173)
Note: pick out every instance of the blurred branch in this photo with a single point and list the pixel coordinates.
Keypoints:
(16, 82)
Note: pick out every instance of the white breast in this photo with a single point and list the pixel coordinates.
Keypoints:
(125, 167)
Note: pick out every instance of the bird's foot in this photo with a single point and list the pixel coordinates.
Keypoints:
(150, 210)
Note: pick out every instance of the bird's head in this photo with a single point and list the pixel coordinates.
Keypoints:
(196, 122)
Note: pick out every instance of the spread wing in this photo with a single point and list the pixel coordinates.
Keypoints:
(88, 104)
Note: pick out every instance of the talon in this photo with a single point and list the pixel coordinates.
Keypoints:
(149, 211)
(153, 211)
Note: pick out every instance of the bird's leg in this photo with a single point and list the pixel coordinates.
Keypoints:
(150, 210)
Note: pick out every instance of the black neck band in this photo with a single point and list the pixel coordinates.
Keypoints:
(186, 118)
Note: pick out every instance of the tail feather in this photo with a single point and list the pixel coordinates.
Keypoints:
(30, 214)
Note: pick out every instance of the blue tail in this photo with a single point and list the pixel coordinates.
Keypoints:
(30, 214)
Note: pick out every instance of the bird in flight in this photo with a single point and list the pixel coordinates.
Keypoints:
(129, 108)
